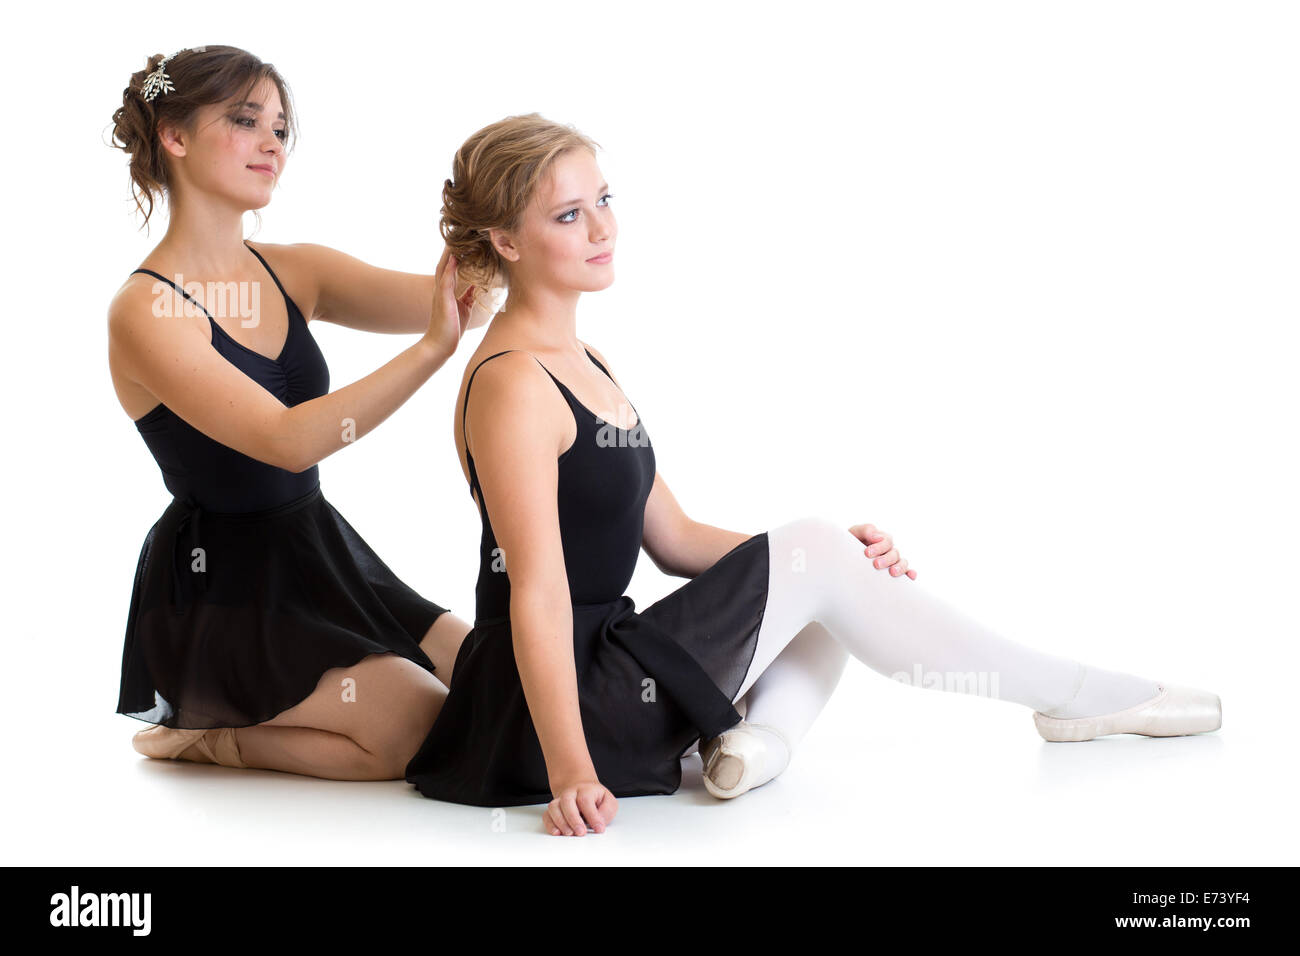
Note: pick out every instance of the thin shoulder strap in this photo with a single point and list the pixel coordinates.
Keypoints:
(464, 409)
(275, 277)
(598, 365)
(176, 287)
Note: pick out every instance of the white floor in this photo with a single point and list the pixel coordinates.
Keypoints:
(890, 775)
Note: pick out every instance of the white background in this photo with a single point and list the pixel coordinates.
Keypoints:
(1015, 281)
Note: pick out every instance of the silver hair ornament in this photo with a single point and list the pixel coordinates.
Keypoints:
(158, 81)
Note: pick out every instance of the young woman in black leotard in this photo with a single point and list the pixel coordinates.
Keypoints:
(262, 630)
(563, 693)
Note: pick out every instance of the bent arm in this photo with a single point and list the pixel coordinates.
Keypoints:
(515, 435)
(316, 429)
(175, 362)
(357, 295)
(677, 544)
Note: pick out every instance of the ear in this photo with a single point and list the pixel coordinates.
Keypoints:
(503, 244)
(172, 139)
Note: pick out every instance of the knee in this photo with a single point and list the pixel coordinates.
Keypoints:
(397, 722)
(391, 765)
(408, 730)
(391, 754)
(816, 539)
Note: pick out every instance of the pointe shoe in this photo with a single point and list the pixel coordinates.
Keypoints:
(220, 746)
(164, 743)
(170, 743)
(734, 760)
(1174, 712)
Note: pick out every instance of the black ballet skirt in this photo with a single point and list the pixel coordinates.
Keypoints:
(251, 585)
(650, 683)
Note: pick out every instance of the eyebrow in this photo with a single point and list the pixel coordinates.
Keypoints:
(574, 202)
(257, 107)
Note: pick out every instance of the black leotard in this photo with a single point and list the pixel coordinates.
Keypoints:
(251, 585)
(649, 683)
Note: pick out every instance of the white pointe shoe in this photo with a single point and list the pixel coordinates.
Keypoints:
(733, 761)
(1174, 712)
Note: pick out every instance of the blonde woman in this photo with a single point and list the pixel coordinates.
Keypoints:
(263, 631)
(563, 693)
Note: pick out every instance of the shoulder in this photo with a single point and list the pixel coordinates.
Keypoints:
(507, 377)
(134, 308)
(288, 253)
(301, 268)
(310, 257)
(511, 406)
(136, 337)
(293, 261)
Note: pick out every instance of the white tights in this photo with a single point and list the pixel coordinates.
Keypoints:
(827, 600)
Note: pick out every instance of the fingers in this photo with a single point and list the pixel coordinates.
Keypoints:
(881, 550)
(882, 545)
(577, 811)
(445, 273)
(587, 804)
(863, 532)
(549, 822)
(572, 816)
(556, 819)
(608, 806)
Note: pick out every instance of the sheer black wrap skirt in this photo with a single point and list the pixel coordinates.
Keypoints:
(235, 617)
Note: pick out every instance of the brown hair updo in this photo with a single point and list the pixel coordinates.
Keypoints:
(200, 76)
(494, 176)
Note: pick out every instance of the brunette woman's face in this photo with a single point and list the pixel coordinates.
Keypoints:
(237, 148)
(566, 239)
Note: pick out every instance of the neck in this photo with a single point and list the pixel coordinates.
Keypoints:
(205, 236)
(545, 319)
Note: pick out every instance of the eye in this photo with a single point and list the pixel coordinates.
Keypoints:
(281, 134)
(573, 212)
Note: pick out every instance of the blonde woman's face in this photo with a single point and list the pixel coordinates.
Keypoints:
(237, 148)
(566, 240)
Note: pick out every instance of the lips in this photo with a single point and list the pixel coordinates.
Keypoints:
(602, 258)
(269, 170)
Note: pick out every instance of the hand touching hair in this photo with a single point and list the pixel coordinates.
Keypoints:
(494, 177)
